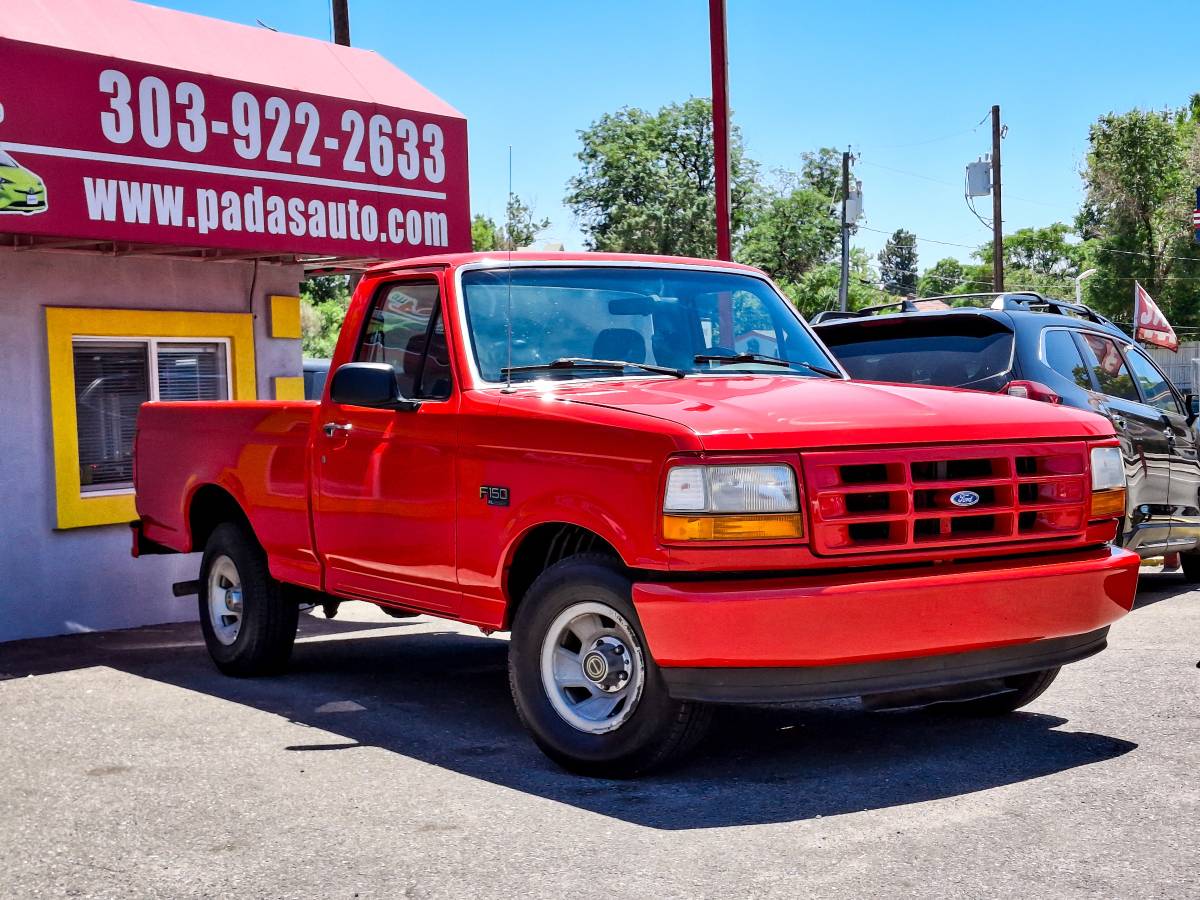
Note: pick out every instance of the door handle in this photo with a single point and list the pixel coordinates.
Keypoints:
(1169, 435)
(1119, 421)
(332, 428)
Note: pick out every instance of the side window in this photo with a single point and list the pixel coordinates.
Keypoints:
(1063, 357)
(1156, 391)
(405, 330)
(1104, 359)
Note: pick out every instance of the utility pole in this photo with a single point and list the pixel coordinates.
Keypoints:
(720, 108)
(341, 22)
(844, 281)
(997, 217)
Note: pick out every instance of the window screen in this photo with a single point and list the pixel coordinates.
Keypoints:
(111, 381)
(114, 378)
(192, 372)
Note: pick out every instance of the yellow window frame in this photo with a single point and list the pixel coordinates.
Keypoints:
(63, 325)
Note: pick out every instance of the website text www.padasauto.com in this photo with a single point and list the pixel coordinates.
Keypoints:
(255, 212)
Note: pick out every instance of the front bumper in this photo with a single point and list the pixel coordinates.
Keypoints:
(901, 617)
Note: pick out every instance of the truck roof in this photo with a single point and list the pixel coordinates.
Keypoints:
(453, 260)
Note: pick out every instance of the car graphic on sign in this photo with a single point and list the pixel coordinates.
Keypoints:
(21, 191)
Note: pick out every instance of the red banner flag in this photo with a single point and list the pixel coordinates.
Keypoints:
(1150, 325)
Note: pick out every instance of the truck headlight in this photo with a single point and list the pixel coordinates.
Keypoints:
(1108, 482)
(731, 503)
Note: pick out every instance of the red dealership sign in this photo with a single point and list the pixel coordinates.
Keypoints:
(110, 149)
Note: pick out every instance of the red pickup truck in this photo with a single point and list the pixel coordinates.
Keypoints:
(650, 472)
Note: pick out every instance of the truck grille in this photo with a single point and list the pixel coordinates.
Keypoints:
(900, 499)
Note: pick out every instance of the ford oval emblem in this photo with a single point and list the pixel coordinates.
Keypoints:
(964, 498)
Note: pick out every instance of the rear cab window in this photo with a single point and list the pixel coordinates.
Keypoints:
(945, 351)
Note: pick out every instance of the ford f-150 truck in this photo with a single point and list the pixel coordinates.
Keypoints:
(653, 475)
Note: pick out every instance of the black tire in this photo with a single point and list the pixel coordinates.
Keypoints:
(1190, 564)
(1022, 690)
(657, 730)
(267, 627)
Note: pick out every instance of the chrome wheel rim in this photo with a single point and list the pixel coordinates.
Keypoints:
(592, 667)
(224, 600)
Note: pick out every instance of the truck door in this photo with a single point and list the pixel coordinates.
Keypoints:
(1184, 488)
(384, 492)
(1143, 438)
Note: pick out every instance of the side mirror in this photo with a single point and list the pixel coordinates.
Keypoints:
(1192, 401)
(369, 384)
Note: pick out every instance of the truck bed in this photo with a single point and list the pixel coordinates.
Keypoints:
(257, 451)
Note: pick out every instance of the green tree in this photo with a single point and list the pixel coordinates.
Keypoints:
(822, 171)
(324, 301)
(485, 235)
(647, 181)
(817, 289)
(794, 232)
(1140, 173)
(520, 229)
(898, 263)
(948, 276)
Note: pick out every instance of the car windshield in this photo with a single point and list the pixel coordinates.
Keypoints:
(946, 351)
(7, 161)
(654, 316)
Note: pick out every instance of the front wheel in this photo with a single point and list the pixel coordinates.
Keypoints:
(249, 622)
(583, 680)
(1020, 690)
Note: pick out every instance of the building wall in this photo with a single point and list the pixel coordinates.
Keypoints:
(83, 579)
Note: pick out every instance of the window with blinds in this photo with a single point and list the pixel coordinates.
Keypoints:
(114, 378)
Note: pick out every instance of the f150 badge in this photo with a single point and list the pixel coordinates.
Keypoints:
(964, 498)
(495, 496)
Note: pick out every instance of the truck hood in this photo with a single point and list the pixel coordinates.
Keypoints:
(769, 412)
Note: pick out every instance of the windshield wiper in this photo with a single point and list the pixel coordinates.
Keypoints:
(579, 362)
(728, 358)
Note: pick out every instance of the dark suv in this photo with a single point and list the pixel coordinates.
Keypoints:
(1032, 346)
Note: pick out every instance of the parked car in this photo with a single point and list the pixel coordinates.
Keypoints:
(315, 373)
(569, 447)
(21, 191)
(1051, 350)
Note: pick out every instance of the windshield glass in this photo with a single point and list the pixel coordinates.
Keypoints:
(944, 351)
(663, 317)
(8, 162)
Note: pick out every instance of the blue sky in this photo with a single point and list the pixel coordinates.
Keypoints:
(903, 84)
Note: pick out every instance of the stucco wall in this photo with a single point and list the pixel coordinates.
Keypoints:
(54, 582)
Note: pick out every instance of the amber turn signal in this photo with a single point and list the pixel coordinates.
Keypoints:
(1108, 504)
(733, 528)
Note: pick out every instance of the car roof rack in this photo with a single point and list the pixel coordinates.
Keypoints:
(831, 315)
(1030, 301)
(1012, 301)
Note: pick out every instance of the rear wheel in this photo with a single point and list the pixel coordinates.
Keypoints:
(249, 622)
(1020, 690)
(583, 680)
(1191, 567)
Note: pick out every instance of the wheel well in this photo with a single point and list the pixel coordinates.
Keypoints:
(211, 505)
(541, 548)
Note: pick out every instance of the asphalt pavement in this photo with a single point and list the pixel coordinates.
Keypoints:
(389, 763)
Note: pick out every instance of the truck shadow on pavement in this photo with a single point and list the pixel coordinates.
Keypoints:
(442, 698)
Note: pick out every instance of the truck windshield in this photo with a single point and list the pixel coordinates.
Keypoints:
(662, 317)
(946, 351)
